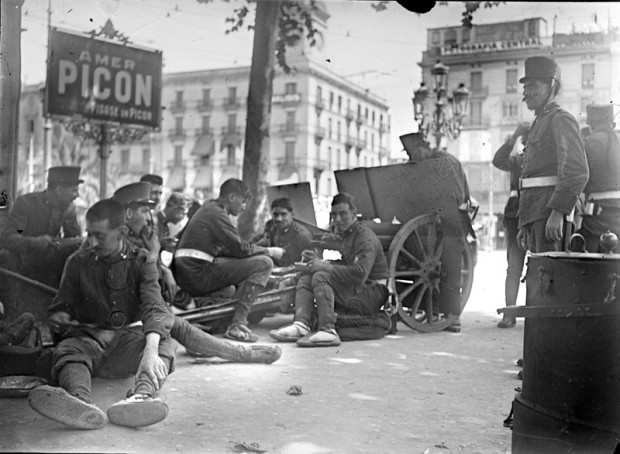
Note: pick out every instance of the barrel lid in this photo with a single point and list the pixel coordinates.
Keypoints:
(578, 255)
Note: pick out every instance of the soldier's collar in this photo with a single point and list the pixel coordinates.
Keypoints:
(352, 228)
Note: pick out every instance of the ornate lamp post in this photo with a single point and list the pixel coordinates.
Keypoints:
(449, 112)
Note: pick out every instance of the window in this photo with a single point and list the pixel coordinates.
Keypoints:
(466, 35)
(178, 100)
(365, 138)
(512, 81)
(435, 37)
(146, 157)
(329, 153)
(372, 141)
(587, 75)
(178, 126)
(510, 109)
(206, 96)
(476, 81)
(289, 153)
(338, 131)
(31, 126)
(232, 95)
(450, 37)
(476, 112)
(125, 158)
(230, 154)
(232, 123)
(372, 120)
(206, 124)
(531, 29)
(319, 93)
(331, 100)
(339, 103)
(329, 128)
(178, 155)
(290, 88)
(290, 120)
(366, 113)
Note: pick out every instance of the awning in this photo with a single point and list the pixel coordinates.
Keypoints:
(231, 139)
(204, 146)
(204, 178)
(287, 175)
(176, 179)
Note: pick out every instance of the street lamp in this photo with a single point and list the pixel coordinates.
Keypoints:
(442, 123)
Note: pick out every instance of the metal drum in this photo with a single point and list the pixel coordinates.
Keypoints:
(570, 398)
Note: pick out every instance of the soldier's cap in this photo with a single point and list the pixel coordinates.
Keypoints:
(64, 175)
(134, 192)
(412, 140)
(176, 200)
(540, 68)
(600, 113)
(153, 179)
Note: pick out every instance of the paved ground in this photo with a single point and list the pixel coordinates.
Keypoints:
(408, 393)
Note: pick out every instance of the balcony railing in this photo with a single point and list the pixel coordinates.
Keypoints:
(349, 116)
(289, 128)
(176, 134)
(382, 128)
(232, 103)
(204, 105)
(320, 105)
(177, 107)
(286, 98)
(204, 131)
(480, 92)
(230, 130)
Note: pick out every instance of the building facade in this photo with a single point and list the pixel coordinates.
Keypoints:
(489, 60)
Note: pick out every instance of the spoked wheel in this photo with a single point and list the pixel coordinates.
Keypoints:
(415, 273)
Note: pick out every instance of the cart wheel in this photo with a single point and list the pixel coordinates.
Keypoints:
(415, 272)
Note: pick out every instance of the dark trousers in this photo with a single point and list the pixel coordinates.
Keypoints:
(516, 257)
(319, 297)
(105, 354)
(537, 240)
(593, 227)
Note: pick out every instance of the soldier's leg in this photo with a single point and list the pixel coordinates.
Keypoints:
(324, 298)
(515, 256)
(199, 343)
(70, 404)
(537, 237)
(304, 313)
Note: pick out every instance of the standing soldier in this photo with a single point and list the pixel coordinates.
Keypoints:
(508, 161)
(555, 169)
(42, 229)
(602, 211)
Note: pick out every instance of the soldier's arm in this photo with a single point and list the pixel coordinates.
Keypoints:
(357, 272)
(69, 292)
(501, 160)
(227, 235)
(156, 317)
(12, 237)
(70, 225)
(573, 170)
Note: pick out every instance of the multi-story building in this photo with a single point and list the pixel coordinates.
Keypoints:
(320, 122)
(489, 60)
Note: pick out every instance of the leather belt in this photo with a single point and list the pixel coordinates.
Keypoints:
(514, 193)
(193, 253)
(379, 281)
(537, 182)
(603, 195)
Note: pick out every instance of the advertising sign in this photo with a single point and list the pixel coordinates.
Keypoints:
(98, 79)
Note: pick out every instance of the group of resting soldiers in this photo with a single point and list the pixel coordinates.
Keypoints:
(112, 315)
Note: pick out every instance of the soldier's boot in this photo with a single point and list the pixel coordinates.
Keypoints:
(238, 329)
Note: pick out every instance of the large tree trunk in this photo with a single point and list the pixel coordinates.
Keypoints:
(10, 88)
(256, 153)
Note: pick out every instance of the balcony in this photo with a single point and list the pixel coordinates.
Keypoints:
(349, 116)
(177, 107)
(231, 130)
(320, 105)
(473, 123)
(383, 128)
(360, 120)
(319, 135)
(287, 99)
(204, 105)
(176, 134)
(479, 92)
(232, 103)
(204, 132)
(289, 129)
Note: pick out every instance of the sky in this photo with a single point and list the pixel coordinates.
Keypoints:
(377, 50)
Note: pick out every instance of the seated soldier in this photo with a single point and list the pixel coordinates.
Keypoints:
(353, 286)
(106, 288)
(211, 256)
(173, 213)
(196, 342)
(135, 198)
(42, 229)
(285, 233)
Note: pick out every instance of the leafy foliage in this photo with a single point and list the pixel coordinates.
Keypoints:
(471, 8)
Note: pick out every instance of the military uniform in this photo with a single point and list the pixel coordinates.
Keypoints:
(294, 240)
(32, 216)
(515, 255)
(555, 154)
(108, 296)
(356, 286)
(602, 193)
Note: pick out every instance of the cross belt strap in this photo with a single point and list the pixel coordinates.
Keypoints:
(193, 253)
(514, 193)
(603, 195)
(537, 182)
